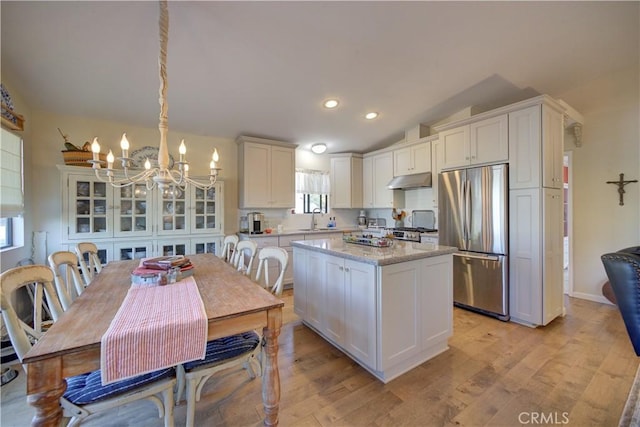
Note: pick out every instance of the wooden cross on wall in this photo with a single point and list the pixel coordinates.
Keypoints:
(621, 183)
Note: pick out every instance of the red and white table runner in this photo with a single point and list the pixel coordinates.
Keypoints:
(156, 327)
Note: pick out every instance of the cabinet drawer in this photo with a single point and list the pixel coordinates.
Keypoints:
(285, 241)
(266, 241)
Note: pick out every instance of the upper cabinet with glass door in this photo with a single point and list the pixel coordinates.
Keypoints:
(173, 215)
(96, 209)
(206, 210)
(90, 208)
(132, 212)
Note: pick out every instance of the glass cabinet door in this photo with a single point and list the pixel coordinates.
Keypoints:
(90, 208)
(172, 247)
(210, 245)
(207, 210)
(132, 250)
(173, 211)
(132, 213)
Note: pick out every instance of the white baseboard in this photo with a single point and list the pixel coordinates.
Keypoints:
(591, 297)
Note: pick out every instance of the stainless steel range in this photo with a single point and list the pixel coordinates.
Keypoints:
(410, 234)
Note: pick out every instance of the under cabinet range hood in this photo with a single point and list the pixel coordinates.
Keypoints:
(408, 182)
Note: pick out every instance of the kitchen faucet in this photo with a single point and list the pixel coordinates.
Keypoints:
(314, 222)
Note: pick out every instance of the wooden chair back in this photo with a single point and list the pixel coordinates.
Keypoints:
(228, 247)
(69, 284)
(274, 254)
(22, 335)
(90, 264)
(245, 250)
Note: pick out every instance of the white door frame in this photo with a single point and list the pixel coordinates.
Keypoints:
(569, 155)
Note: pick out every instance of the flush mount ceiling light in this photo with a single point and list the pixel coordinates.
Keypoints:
(319, 148)
(330, 103)
(370, 116)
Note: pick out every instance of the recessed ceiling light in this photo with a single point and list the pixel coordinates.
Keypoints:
(331, 103)
(370, 116)
(319, 148)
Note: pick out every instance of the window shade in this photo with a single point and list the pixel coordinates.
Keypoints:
(11, 182)
(312, 182)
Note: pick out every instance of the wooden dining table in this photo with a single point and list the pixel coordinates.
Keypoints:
(71, 346)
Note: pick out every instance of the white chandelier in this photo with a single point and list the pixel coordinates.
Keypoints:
(161, 175)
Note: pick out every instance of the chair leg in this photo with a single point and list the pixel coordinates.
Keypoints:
(180, 384)
(167, 397)
(191, 401)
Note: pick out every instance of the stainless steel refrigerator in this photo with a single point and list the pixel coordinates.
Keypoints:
(472, 216)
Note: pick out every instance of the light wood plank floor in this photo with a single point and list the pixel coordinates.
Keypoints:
(578, 370)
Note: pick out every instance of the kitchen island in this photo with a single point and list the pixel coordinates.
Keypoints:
(390, 309)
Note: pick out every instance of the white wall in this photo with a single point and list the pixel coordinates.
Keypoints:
(611, 145)
(10, 257)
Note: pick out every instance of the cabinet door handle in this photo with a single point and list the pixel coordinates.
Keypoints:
(341, 268)
(347, 269)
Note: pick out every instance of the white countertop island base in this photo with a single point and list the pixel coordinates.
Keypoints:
(390, 309)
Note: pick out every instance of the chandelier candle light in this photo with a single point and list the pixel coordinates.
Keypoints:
(161, 175)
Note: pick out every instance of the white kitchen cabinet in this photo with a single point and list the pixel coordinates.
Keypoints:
(360, 311)
(340, 302)
(437, 159)
(553, 254)
(284, 241)
(377, 171)
(552, 148)
(266, 173)
(414, 316)
(333, 322)
(482, 142)
(315, 288)
(346, 181)
(536, 214)
(536, 138)
(415, 158)
(535, 265)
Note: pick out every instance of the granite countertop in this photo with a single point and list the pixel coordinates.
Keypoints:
(291, 232)
(401, 251)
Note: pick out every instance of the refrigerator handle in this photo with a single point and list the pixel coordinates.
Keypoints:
(467, 214)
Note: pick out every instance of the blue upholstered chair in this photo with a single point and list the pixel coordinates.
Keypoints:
(623, 270)
(85, 394)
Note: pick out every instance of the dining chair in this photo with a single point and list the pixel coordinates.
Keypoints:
(223, 353)
(90, 263)
(273, 254)
(228, 247)
(245, 249)
(85, 395)
(67, 279)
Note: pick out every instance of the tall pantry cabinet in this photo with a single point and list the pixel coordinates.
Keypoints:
(536, 213)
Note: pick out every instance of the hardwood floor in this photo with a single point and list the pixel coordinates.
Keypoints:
(576, 372)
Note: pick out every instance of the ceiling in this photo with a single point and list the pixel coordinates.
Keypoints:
(264, 68)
